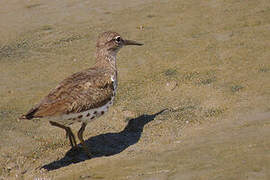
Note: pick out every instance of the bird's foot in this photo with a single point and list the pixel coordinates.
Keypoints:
(78, 150)
(74, 151)
(84, 148)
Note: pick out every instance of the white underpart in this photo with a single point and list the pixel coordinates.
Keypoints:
(85, 116)
(90, 115)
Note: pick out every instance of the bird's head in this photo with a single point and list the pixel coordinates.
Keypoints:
(112, 42)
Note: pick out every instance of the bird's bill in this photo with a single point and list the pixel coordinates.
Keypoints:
(130, 42)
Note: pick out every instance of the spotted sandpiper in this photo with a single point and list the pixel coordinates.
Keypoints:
(85, 95)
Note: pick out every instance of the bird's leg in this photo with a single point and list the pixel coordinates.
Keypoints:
(72, 139)
(69, 133)
(80, 136)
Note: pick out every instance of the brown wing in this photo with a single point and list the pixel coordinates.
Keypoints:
(82, 91)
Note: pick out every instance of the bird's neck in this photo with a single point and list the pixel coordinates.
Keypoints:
(106, 59)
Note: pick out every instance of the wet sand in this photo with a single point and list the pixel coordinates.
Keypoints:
(207, 62)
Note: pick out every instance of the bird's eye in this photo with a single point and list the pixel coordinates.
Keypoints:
(118, 39)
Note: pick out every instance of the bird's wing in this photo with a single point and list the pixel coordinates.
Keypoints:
(81, 91)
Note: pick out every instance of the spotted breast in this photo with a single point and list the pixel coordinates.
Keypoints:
(91, 114)
(79, 97)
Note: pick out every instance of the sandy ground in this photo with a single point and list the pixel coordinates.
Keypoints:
(206, 62)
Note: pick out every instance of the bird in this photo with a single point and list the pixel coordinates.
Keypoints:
(85, 95)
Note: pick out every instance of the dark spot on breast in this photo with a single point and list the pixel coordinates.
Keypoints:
(102, 112)
(92, 117)
(112, 85)
(80, 116)
(95, 112)
(88, 115)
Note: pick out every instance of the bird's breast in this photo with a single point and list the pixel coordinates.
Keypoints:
(114, 82)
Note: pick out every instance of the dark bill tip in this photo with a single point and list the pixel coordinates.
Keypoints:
(130, 42)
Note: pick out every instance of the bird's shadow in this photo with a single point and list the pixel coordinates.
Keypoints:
(106, 144)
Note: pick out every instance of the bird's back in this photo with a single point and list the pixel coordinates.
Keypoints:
(80, 92)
